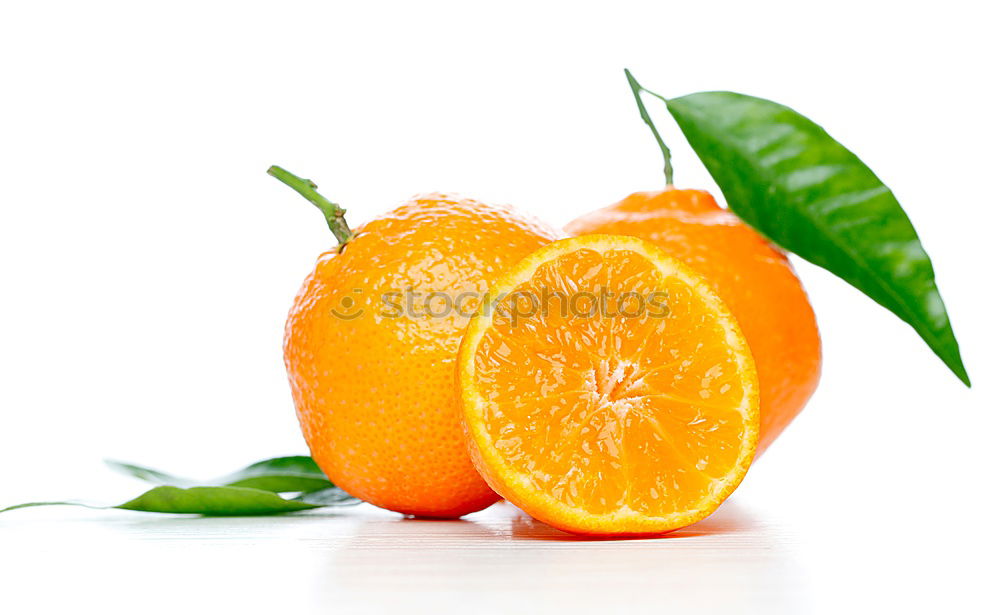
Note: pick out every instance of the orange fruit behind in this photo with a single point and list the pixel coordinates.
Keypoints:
(375, 393)
(754, 279)
(632, 414)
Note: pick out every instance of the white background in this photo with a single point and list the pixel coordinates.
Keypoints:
(148, 263)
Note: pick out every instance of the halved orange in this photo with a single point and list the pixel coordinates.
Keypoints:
(607, 390)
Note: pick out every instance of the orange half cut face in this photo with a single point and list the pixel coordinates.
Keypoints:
(607, 390)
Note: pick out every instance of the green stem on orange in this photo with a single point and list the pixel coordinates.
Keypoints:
(333, 213)
(668, 169)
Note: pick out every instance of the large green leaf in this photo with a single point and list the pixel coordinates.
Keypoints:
(279, 474)
(789, 179)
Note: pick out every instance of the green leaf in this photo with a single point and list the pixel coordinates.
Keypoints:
(250, 491)
(62, 503)
(208, 501)
(298, 473)
(214, 501)
(148, 474)
(280, 474)
(217, 501)
(789, 179)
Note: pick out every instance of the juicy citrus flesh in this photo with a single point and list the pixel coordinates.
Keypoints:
(636, 417)
(371, 361)
(754, 278)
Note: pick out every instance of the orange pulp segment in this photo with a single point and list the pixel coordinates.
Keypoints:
(607, 390)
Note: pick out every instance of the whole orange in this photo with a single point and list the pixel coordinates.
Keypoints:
(371, 342)
(754, 279)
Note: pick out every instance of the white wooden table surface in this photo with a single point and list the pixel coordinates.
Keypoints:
(740, 560)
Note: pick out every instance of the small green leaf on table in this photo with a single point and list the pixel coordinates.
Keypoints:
(297, 473)
(251, 491)
(214, 501)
